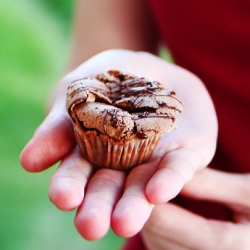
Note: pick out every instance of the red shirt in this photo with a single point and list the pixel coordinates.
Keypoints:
(212, 40)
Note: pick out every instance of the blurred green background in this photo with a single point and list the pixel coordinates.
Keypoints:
(33, 52)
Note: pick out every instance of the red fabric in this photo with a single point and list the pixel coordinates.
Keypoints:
(212, 39)
(134, 243)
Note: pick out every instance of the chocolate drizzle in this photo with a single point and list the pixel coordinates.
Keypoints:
(137, 86)
(142, 135)
(115, 122)
(154, 115)
(126, 92)
(144, 114)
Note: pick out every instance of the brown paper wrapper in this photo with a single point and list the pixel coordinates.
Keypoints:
(104, 153)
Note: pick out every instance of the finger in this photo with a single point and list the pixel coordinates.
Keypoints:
(67, 185)
(175, 169)
(230, 189)
(160, 243)
(171, 223)
(51, 141)
(93, 216)
(133, 209)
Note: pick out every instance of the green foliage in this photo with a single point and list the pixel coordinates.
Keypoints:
(62, 10)
(33, 51)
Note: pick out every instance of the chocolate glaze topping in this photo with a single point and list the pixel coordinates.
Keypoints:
(143, 99)
(142, 135)
(115, 122)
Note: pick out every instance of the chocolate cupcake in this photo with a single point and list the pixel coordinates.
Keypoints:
(118, 118)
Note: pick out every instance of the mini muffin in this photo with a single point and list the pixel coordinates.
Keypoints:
(119, 118)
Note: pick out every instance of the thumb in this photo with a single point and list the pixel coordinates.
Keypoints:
(52, 140)
(227, 188)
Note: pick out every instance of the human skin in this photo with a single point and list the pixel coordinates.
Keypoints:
(113, 198)
(173, 227)
(100, 25)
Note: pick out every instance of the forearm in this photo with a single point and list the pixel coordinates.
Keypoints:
(100, 25)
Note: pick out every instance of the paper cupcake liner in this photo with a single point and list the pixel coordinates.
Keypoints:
(106, 154)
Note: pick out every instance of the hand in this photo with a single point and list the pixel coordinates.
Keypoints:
(109, 197)
(172, 227)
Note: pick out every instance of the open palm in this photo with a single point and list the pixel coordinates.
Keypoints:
(108, 197)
